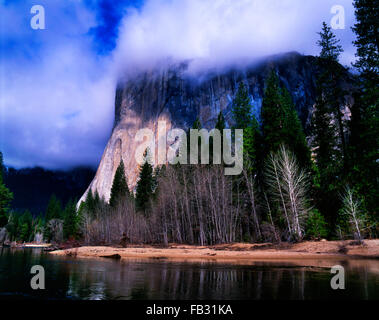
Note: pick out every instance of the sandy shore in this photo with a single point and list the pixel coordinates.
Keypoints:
(235, 253)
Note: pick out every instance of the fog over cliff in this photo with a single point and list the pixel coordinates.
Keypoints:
(217, 33)
(58, 84)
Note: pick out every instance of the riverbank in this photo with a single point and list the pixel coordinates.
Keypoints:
(26, 245)
(238, 252)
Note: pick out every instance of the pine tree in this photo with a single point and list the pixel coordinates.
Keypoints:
(329, 44)
(38, 225)
(294, 136)
(329, 84)
(220, 124)
(252, 145)
(5, 196)
(364, 124)
(90, 204)
(281, 123)
(324, 136)
(97, 199)
(70, 220)
(327, 159)
(145, 184)
(54, 209)
(367, 43)
(47, 235)
(273, 115)
(244, 119)
(242, 108)
(242, 111)
(157, 172)
(328, 129)
(197, 124)
(25, 224)
(12, 225)
(119, 190)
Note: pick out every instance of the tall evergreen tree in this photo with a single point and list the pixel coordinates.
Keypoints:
(119, 190)
(295, 137)
(97, 199)
(327, 157)
(38, 224)
(328, 129)
(364, 124)
(329, 84)
(367, 43)
(12, 225)
(54, 209)
(252, 140)
(5, 196)
(329, 44)
(197, 124)
(242, 109)
(324, 136)
(145, 184)
(244, 119)
(69, 220)
(90, 204)
(280, 122)
(273, 115)
(25, 222)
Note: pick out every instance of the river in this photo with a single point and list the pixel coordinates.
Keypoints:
(104, 279)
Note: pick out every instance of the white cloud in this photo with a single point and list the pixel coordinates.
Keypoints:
(57, 96)
(219, 32)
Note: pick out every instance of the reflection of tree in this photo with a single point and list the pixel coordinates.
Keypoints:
(68, 277)
(134, 280)
(168, 280)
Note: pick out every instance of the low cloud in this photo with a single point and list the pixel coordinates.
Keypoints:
(215, 33)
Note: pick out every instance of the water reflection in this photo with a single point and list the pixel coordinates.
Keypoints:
(97, 279)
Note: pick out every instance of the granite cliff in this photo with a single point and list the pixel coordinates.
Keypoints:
(174, 95)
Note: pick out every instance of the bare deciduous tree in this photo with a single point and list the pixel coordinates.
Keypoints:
(250, 181)
(351, 209)
(288, 185)
(193, 205)
(200, 205)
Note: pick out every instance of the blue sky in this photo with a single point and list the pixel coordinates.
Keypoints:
(56, 91)
(57, 85)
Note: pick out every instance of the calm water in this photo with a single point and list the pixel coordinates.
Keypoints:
(75, 278)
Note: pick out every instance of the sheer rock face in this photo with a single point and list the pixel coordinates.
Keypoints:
(178, 97)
